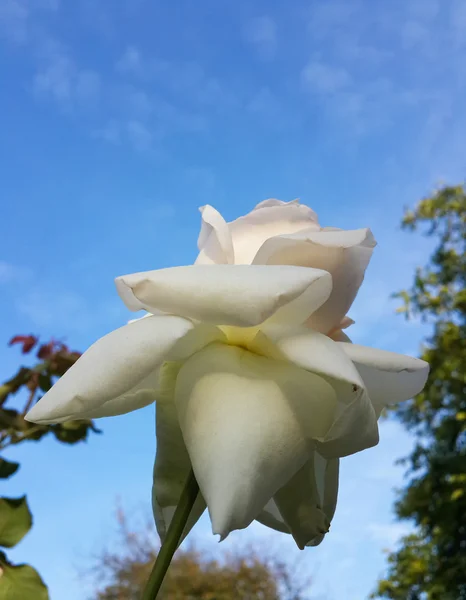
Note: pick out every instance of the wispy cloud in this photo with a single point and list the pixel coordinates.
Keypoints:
(51, 306)
(261, 32)
(139, 135)
(110, 133)
(10, 273)
(44, 309)
(388, 534)
(354, 66)
(48, 304)
(130, 61)
(458, 23)
(17, 17)
(61, 79)
(325, 78)
(14, 20)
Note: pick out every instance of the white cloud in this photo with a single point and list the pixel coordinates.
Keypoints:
(388, 534)
(357, 49)
(130, 61)
(10, 273)
(139, 102)
(50, 5)
(414, 33)
(423, 10)
(59, 78)
(323, 78)
(458, 23)
(87, 85)
(261, 32)
(202, 178)
(160, 212)
(110, 133)
(16, 17)
(49, 307)
(264, 102)
(55, 80)
(327, 17)
(135, 115)
(139, 135)
(44, 308)
(14, 20)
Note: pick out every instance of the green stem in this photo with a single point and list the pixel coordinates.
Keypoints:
(172, 539)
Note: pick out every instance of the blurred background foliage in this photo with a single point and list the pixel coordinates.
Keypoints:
(431, 563)
(51, 360)
(249, 573)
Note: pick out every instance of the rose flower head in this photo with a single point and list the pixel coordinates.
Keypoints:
(257, 387)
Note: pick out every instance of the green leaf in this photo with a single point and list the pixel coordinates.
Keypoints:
(7, 468)
(71, 432)
(456, 494)
(45, 382)
(20, 582)
(15, 520)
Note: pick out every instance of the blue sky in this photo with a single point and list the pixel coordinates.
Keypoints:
(119, 119)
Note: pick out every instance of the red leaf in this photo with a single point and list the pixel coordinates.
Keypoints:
(28, 342)
(46, 350)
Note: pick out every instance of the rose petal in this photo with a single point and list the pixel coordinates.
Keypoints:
(147, 391)
(270, 517)
(115, 375)
(306, 213)
(228, 294)
(302, 505)
(314, 352)
(344, 254)
(355, 426)
(268, 219)
(214, 243)
(248, 424)
(339, 336)
(309, 494)
(388, 377)
(327, 475)
(141, 395)
(172, 463)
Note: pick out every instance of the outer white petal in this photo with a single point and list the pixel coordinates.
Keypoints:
(339, 336)
(119, 373)
(172, 463)
(145, 316)
(344, 254)
(214, 243)
(314, 352)
(112, 368)
(228, 294)
(307, 501)
(389, 377)
(248, 423)
(148, 390)
(302, 504)
(355, 426)
(268, 219)
(306, 213)
(327, 475)
(270, 517)
(137, 397)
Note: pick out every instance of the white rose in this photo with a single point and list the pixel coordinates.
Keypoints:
(254, 387)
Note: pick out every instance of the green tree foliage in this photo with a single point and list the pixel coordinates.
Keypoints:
(247, 575)
(431, 564)
(22, 582)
